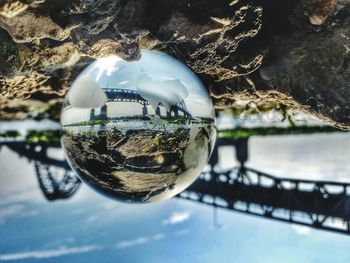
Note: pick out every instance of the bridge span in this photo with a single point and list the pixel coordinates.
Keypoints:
(323, 205)
(129, 95)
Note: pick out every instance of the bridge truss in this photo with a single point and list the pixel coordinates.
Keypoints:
(127, 95)
(56, 179)
(322, 205)
(317, 204)
(56, 183)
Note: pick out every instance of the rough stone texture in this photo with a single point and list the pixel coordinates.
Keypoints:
(39, 27)
(319, 10)
(266, 52)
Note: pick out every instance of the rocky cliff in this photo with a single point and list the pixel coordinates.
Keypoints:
(294, 53)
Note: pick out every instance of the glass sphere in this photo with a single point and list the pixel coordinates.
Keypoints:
(138, 131)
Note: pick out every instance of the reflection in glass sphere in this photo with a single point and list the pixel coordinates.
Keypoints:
(138, 131)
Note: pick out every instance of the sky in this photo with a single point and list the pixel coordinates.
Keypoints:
(92, 228)
(157, 77)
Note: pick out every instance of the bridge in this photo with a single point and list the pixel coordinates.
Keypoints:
(322, 205)
(126, 95)
(253, 192)
(56, 179)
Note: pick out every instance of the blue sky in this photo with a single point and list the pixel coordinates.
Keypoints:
(91, 228)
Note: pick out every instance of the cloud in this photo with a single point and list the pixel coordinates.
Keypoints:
(133, 242)
(20, 197)
(176, 218)
(110, 205)
(9, 211)
(165, 92)
(92, 219)
(86, 93)
(301, 230)
(139, 241)
(181, 232)
(159, 236)
(40, 254)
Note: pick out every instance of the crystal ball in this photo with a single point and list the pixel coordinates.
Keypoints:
(139, 131)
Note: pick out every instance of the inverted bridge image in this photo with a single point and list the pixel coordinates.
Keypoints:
(323, 205)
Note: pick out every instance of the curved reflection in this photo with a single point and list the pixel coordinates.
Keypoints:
(138, 131)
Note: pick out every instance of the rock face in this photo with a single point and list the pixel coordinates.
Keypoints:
(295, 53)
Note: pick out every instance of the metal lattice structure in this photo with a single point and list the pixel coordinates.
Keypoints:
(323, 205)
(126, 95)
(56, 179)
(56, 183)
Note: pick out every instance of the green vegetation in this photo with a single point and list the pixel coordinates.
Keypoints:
(178, 121)
(9, 135)
(89, 123)
(54, 136)
(48, 136)
(240, 133)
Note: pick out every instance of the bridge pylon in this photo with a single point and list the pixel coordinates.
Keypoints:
(158, 111)
(144, 110)
(103, 112)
